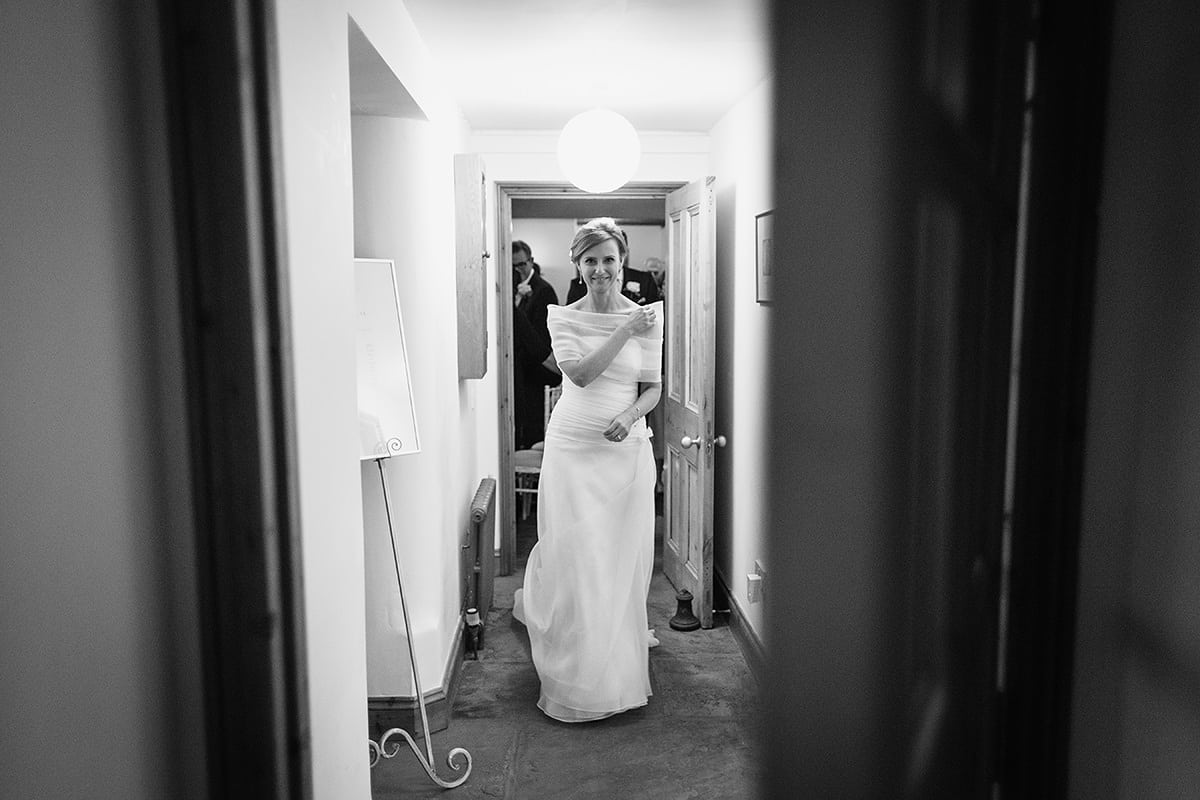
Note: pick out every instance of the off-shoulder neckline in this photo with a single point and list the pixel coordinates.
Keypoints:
(601, 313)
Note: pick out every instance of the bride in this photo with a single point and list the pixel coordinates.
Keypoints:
(587, 578)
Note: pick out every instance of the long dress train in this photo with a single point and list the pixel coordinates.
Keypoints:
(587, 578)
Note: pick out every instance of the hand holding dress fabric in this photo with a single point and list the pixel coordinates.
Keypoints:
(641, 320)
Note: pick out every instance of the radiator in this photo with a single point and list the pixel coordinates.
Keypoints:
(479, 560)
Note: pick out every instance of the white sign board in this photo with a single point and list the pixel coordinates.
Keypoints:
(387, 422)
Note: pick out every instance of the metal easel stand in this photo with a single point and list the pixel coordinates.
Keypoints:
(380, 749)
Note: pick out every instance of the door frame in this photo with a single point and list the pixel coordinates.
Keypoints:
(1073, 43)
(221, 82)
(506, 191)
(821, 742)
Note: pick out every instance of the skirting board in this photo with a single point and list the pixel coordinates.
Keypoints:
(748, 640)
(385, 713)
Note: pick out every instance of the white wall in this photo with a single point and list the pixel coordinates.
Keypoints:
(100, 685)
(742, 165)
(413, 224)
(404, 210)
(645, 241)
(314, 94)
(1136, 720)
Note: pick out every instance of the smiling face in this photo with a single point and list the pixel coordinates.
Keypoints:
(600, 267)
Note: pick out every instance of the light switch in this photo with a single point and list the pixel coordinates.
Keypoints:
(754, 588)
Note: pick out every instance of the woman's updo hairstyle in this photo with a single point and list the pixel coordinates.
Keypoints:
(595, 231)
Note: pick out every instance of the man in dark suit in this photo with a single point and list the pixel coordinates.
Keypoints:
(533, 362)
(532, 293)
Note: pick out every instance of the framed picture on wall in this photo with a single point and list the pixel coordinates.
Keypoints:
(764, 257)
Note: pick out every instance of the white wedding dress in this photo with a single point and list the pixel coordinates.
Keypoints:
(587, 578)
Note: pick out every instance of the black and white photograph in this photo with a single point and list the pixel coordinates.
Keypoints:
(600, 400)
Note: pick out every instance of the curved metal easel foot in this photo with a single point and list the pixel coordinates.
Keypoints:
(380, 750)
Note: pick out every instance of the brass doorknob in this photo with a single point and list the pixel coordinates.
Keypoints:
(688, 441)
(719, 441)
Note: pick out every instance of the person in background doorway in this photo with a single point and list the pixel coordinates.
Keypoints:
(533, 369)
(532, 294)
(658, 271)
(638, 285)
(533, 363)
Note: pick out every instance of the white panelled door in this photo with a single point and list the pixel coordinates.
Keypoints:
(689, 393)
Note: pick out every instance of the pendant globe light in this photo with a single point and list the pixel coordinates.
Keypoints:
(598, 150)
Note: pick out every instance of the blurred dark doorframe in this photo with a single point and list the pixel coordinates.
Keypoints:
(1072, 44)
(220, 80)
(925, 649)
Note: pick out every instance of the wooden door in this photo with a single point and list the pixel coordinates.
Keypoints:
(689, 390)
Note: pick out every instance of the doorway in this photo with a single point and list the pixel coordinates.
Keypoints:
(641, 204)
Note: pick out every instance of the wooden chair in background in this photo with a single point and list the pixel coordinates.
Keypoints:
(527, 464)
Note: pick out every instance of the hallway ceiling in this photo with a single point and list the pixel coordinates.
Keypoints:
(667, 65)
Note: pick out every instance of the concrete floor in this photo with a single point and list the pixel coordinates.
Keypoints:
(694, 740)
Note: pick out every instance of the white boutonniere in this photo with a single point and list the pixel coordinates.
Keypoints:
(633, 286)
